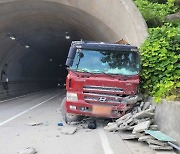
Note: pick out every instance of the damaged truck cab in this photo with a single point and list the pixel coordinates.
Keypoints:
(102, 79)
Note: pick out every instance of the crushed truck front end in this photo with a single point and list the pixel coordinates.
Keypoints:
(101, 91)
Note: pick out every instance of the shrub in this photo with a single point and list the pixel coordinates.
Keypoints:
(160, 62)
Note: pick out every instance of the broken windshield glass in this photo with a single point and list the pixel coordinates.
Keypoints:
(108, 62)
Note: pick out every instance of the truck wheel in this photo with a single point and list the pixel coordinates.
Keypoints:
(68, 117)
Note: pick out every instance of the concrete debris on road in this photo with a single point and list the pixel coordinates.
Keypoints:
(139, 119)
(156, 142)
(28, 150)
(111, 127)
(144, 114)
(146, 105)
(68, 130)
(145, 138)
(156, 147)
(153, 127)
(131, 136)
(35, 123)
(38, 123)
(141, 127)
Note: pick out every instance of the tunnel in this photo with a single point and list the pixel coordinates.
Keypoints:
(35, 36)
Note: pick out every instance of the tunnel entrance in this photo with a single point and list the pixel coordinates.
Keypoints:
(35, 36)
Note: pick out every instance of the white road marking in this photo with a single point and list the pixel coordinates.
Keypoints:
(18, 115)
(105, 143)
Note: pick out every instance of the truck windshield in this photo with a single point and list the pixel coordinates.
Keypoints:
(109, 62)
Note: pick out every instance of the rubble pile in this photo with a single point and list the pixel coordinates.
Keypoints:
(137, 121)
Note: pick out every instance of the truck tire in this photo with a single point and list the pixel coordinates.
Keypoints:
(68, 117)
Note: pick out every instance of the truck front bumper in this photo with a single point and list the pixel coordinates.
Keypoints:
(97, 110)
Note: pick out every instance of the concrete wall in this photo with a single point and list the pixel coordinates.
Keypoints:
(120, 16)
(112, 19)
(168, 118)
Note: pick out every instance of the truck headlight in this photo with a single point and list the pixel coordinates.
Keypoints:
(71, 96)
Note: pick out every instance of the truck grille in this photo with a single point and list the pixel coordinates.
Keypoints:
(101, 94)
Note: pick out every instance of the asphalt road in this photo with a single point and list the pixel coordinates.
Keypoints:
(44, 107)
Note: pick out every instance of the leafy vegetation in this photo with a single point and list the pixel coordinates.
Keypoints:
(160, 62)
(155, 13)
(160, 52)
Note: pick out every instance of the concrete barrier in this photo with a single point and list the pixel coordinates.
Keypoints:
(167, 118)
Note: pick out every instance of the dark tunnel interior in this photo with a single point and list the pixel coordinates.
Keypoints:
(35, 42)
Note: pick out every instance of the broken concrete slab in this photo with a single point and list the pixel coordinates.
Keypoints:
(28, 150)
(144, 114)
(134, 111)
(143, 120)
(74, 123)
(144, 138)
(153, 127)
(34, 123)
(123, 127)
(129, 120)
(124, 120)
(156, 142)
(110, 123)
(141, 105)
(141, 127)
(119, 122)
(132, 123)
(130, 127)
(112, 127)
(140, 97)
(151, 110)
(156, 147)
(165, 152)
(146, 105)
(130, 137)
(138, 109)
(152, 106)
(68, 130)
(124, 117)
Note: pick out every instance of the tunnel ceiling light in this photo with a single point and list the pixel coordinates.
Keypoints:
(27, 46)
(67, 37)
(12, 38)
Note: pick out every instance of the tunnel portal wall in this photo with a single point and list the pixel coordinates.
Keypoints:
(43, 24)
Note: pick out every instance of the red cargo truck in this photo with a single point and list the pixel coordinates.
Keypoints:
(102, 80)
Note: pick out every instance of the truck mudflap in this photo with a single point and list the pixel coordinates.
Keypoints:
(97, 110)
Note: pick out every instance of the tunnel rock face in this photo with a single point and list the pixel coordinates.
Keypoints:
(35, 36)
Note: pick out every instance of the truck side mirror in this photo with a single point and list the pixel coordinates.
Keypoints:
(71, 55)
